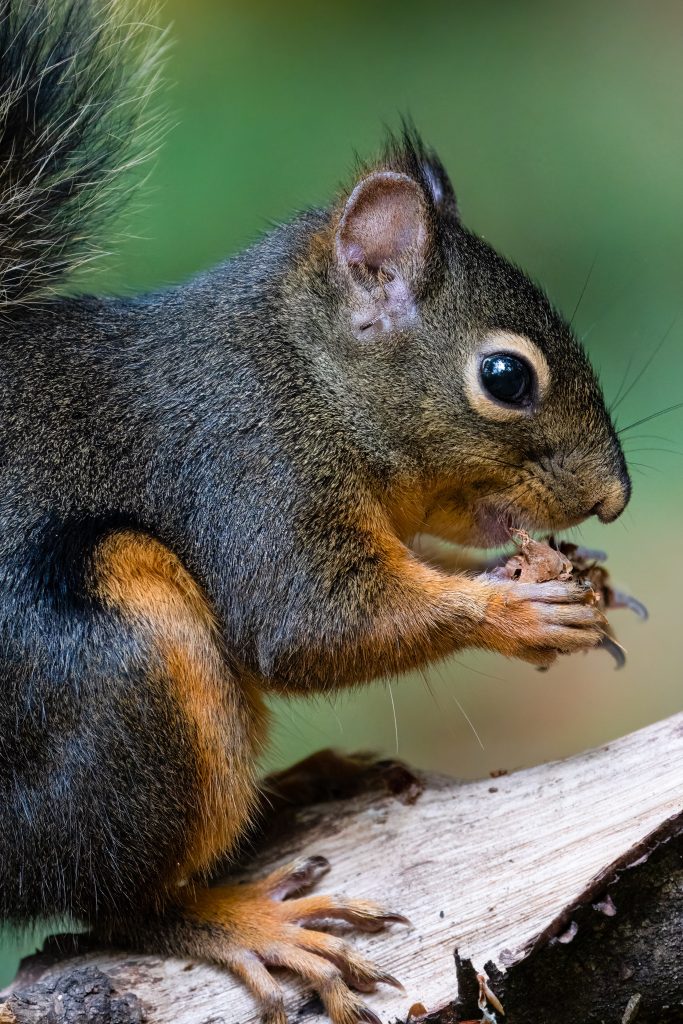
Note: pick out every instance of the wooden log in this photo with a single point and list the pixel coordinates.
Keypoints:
(563, 883)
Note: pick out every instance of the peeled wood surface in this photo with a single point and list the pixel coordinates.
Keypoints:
(490, 868)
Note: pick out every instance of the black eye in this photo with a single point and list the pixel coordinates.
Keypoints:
(507, 378)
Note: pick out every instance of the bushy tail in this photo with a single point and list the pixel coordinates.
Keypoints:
(75, 78)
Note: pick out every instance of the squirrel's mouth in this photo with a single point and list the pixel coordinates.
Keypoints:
(495, 526)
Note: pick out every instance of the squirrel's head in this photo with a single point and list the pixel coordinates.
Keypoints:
(475, 382)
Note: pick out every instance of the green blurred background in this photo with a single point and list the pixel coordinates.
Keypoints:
(561, 125)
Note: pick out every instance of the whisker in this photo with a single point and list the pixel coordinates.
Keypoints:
(666, 451)
(440, 709)
(652, 416)
(499, 462)
(477, 671)
(617, 397)
(585, 287)
(467, 719)
(527, 488)
(648, 362)
(651, 437)
(393, 708)
(496, 491)
(436, 703)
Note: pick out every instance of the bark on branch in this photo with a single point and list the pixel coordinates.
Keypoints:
(563, 883)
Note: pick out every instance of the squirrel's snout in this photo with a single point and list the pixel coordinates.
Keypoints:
(614, 500)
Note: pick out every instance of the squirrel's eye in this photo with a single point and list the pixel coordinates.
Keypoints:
(506, 378)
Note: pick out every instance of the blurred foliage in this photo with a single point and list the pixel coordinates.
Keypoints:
(561, 126)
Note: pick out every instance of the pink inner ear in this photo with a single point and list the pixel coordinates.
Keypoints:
(384, 219)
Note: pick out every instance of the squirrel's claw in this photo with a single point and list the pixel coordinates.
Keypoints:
(363, 915)
(295, 877)
(618, 599)
(609, 644)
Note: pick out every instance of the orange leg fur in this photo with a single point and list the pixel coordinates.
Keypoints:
(145, 582)
(246, 928)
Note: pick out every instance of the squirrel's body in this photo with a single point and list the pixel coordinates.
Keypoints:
(210, 493)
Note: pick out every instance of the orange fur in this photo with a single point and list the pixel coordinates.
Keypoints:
(147, 582)
(429, 612)
(242, 909)
(255, 920)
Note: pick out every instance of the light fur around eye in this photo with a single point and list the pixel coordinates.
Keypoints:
(508, 343)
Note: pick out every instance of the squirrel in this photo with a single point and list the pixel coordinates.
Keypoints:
(216, 492)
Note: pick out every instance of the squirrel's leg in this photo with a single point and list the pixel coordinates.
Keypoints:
(246, 928)
(334, 775)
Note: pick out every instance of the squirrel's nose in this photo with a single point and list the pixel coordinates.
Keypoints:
(614, 500)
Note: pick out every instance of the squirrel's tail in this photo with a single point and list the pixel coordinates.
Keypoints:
(75, 77)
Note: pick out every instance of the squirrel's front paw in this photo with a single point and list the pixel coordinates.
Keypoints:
(538, 621)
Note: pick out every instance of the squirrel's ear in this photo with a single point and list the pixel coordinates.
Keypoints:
(381, 243)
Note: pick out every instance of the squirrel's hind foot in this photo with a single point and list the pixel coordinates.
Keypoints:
(259, 925)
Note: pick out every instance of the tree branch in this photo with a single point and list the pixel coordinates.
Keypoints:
(564, 883)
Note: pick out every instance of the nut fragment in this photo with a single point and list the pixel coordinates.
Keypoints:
(541, 561)
(535, 561)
